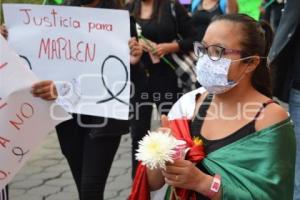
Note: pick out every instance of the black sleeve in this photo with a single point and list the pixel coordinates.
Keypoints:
(185, 28)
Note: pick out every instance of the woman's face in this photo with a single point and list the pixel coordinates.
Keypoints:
(228, 35)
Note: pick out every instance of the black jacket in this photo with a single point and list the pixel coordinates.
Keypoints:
(282, 53)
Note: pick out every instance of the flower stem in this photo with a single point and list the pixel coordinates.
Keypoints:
(173, 192)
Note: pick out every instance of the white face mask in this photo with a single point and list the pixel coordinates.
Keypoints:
(213, 75)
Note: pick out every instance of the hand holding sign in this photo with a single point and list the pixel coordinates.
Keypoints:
(45, 90)
(3, 31)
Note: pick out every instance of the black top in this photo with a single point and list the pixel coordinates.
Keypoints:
(213, 145)
(107, 126)
(296, 63)
(163, 30)
(282, 53)
(202, 18)
(103, 4)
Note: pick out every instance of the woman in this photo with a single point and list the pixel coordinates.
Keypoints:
(89, 151)
(156, 81)
(248, 138)
(204, 10)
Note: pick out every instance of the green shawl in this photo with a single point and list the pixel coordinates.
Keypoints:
(259, 166)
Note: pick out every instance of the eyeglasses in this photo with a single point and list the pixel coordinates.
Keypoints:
(214, 52)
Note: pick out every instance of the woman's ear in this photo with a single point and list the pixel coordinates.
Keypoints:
(252, 64)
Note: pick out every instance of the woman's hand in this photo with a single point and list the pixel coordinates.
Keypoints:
(166, 48)
(3, 31)
(45, 90)
(136, 51)
(185, 174)
(148, 45)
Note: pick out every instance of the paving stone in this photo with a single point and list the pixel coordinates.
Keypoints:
(16, 192)
(121, 164)
(67, 175)
(70, 188)
(60, 182)
(39, 177)
(117, 186)
(117, 171)
(28, 197)
(108, 194)
(120, 197)
(19, 177)
(45, 163)
(125, 192)
(124, 179)
(63, 196)
(45, 175)
(58, 168)
(26, 184)
(44, 190)
(55, 155)
(126, 157)
(31, 170)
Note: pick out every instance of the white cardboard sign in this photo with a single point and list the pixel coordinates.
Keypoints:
(84, 49)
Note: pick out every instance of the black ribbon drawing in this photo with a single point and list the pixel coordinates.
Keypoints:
(18, 151)
(109, 91)
(112, 95)
(27, 61)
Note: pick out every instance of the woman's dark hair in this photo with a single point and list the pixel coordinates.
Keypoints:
(156, 13)
(257, 38)
(115, 4)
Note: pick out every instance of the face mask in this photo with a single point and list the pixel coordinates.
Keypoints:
(213, 75)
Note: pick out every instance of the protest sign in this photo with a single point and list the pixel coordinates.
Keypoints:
(84, 49)
(25, 120)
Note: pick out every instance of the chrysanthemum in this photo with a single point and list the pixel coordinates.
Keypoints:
(155, 149)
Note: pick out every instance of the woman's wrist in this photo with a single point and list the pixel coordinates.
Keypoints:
(173, 47)
(208, 185)
(204, 183)
(155, 179)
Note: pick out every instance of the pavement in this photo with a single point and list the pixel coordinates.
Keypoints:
(46, 176)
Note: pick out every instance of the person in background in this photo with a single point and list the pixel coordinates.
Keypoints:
(285, 59)
(156, 82)
(89, 150)
(272, 13)
(204, 10)
(250, 8)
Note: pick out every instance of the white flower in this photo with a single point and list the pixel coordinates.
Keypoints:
(138, 29)
(155, 149)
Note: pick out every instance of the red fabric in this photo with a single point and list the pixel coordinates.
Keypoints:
(180, 129)
(140, 188)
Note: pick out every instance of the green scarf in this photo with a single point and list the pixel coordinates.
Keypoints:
(259, 166)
